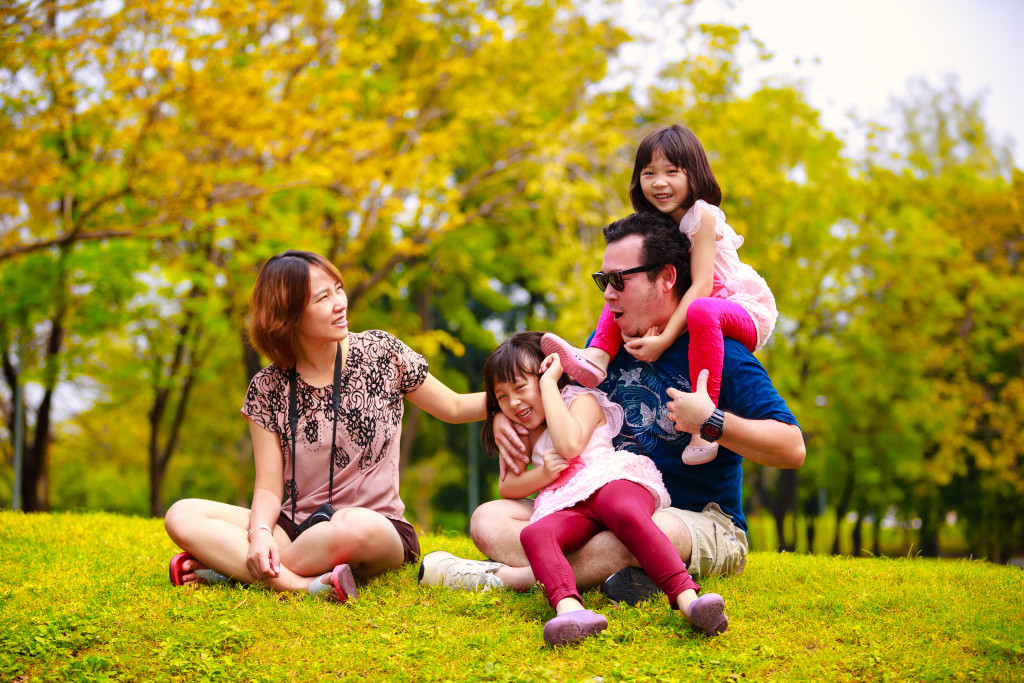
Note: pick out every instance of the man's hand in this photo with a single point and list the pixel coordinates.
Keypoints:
(688, 411)
(512, 453)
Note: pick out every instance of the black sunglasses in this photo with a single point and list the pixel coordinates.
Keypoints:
(615, 277)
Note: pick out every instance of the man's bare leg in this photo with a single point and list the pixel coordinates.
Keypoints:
(495, 529)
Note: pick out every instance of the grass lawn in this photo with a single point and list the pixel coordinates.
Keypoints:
(86, 597)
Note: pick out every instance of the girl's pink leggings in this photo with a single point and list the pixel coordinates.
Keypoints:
(709, 320)
(625, 508)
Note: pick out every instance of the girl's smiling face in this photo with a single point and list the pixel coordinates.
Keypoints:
(520, 401)
(665, 185)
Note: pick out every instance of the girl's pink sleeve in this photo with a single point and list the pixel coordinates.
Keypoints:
(607, 337)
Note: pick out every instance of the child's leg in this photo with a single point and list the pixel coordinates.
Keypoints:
(608, 336)
(586, 366)
(710, 320)
(625, 507)
(546, 542)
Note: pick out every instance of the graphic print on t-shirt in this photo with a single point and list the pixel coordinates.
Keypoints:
(642, 394)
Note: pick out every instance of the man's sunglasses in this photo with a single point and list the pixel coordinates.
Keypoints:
(615, 277)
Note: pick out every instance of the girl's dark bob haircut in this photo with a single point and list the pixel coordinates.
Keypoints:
(682, 148)
(518, 356)
(279, 300)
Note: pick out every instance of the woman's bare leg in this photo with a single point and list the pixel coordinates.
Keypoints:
(365, 540)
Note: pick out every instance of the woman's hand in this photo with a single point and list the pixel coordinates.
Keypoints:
(263, 558)
(512, 455)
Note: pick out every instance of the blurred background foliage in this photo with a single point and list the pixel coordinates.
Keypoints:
(458, 160)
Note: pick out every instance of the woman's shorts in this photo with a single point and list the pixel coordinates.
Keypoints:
(406, 533)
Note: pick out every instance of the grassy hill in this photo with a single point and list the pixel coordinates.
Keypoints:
(86, 597)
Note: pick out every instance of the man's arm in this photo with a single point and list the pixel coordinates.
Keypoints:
(767, 442)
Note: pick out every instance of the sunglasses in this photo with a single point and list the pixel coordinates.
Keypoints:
(615, 277)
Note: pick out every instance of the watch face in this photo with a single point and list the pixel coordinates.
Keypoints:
(710, 432)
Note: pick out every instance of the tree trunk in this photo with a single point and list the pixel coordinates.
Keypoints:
(929, 527)
(250, 356)
(787, 504)
(842, 506)
(186, 353)
(876, 542)
(425, 307)
(858, 538)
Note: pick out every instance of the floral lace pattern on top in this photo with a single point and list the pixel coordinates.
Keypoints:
(379, 370)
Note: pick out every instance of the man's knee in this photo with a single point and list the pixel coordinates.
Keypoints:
(715, 545)
(495, 526)
(677, 533)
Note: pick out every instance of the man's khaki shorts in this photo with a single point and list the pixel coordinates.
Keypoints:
(719, 547)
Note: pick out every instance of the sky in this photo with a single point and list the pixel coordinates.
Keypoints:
(856, 55)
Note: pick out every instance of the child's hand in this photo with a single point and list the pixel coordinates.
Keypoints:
(554, 463)
(551, 368)
(649, 347)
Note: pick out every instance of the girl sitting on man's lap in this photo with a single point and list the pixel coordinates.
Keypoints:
(585, 486)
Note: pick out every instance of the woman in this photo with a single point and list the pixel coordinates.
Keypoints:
(348, 390)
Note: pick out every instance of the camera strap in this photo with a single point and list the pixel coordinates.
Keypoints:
(293, 423)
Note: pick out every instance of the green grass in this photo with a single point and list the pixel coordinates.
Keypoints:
(86, 597)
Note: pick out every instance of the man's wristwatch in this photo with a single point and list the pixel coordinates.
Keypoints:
(711, 430)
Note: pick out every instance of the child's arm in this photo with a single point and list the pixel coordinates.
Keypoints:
(702, 277)
(570, 430)
(530, 481)
(570, 427)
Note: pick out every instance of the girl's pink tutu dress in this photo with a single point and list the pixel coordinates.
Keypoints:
(598, 464)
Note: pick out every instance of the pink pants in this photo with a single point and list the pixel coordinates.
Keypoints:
(625, 508)
(709, 320)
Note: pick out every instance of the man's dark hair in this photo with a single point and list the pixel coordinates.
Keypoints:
(663, 244)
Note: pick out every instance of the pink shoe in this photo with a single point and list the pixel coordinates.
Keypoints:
(341, 589)
(175, 569)
(575, 364)
(699, 454)
(207, 575)
(572, 627)
(707, 614)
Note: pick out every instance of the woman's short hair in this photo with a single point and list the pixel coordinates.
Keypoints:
(279, 300)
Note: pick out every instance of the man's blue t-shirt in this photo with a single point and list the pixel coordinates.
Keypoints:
(640, 388)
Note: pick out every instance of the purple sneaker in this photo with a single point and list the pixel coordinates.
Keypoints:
(572, 627)
(707, 614)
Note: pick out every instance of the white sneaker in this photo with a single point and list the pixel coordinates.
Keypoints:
(444, 569)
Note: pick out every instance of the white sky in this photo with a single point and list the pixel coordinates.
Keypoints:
(854, 55)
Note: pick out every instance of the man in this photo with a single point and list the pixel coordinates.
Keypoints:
(706, 523)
